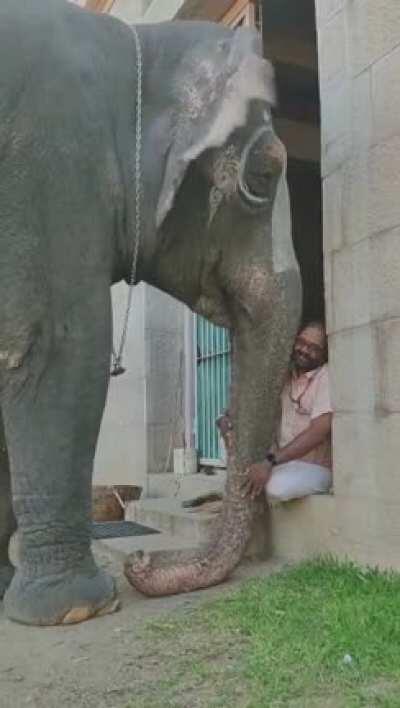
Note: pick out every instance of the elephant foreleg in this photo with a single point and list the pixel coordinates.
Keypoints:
(7, 519)
(52, 408)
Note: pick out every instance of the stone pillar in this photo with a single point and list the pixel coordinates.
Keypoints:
(359, 61)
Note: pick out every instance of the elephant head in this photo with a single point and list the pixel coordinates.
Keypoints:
(219, 253)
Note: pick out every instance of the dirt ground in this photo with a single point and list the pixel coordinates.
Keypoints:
(110, 662)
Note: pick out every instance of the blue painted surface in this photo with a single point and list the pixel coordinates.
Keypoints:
(213, 381)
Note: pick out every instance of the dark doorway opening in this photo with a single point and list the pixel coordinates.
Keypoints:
(290, 39)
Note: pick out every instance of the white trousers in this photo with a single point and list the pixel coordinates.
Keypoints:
(296, 479)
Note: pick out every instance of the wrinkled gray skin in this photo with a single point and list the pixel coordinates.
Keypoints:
(67, 138)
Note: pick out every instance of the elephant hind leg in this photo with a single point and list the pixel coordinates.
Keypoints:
(7, 519)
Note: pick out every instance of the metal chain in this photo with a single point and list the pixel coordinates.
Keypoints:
(117, 367)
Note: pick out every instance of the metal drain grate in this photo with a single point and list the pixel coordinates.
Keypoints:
(118, 529)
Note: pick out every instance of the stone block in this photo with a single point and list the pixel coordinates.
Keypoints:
(385, 284)
(325, 9)
(366, 456)
(374, 30)
(388, 355)
(352, 356)
(354, 455)
(355, 199)
(361, 112)
(384, 552)
(386, 96)
(384, 202)
(358, 35)
(332, 55)
(351, 279)
(336, 134)
(333, 211)
(328, 262)
(352, 520)
(385, 518)
(303, 528)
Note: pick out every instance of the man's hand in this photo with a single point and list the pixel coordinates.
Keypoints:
(224, 423)
(259, 474)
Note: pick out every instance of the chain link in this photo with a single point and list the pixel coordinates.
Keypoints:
(117, 367)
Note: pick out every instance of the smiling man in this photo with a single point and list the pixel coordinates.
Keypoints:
(301, 463)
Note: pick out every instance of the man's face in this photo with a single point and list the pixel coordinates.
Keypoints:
(308, 349)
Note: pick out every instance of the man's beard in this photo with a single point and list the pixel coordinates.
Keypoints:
(302, 362)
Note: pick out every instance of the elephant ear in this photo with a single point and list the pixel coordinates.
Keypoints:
(210, 98)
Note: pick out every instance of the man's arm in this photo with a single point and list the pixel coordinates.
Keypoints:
(310, 438)
(260, 472)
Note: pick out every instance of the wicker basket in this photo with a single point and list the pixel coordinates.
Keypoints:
(108, 503)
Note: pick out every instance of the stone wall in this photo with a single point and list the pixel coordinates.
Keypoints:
(359, 56)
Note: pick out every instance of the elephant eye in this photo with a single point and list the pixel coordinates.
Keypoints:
(259, 184)
(254, 180)
(255, 188)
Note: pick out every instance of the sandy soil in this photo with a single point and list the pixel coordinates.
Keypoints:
(108, 662)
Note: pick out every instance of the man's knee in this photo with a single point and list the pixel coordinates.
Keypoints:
(279, 488)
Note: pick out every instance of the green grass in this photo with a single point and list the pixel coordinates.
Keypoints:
(282, 641)
(302, 623)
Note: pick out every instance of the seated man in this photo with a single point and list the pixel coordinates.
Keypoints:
(301, 462)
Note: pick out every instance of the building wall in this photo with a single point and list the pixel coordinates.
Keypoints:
(161, 10)
(359, 53)
(121, 456)
(130, 10)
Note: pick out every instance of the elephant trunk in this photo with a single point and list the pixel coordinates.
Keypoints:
(261, 345)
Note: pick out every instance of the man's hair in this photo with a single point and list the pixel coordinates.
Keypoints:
(318, 324)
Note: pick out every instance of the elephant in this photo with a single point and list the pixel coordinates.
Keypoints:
(210, 166)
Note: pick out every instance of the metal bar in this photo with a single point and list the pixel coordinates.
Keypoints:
(188, 378)
(209, 391)
(200, 326)
(212, 462)
(214, 393)
(212, 356)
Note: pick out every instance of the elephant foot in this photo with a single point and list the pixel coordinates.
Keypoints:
(6, 576)
(66, 598)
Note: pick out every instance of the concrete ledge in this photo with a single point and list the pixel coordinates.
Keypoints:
(304, 528)
(291, 531)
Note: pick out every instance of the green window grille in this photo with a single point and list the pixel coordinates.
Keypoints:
(212, 386)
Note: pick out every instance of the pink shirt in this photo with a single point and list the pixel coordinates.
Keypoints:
(312, 392)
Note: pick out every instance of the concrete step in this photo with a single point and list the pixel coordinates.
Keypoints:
(193, 526)
(169, 516)
(120, 548)
(165, 485)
